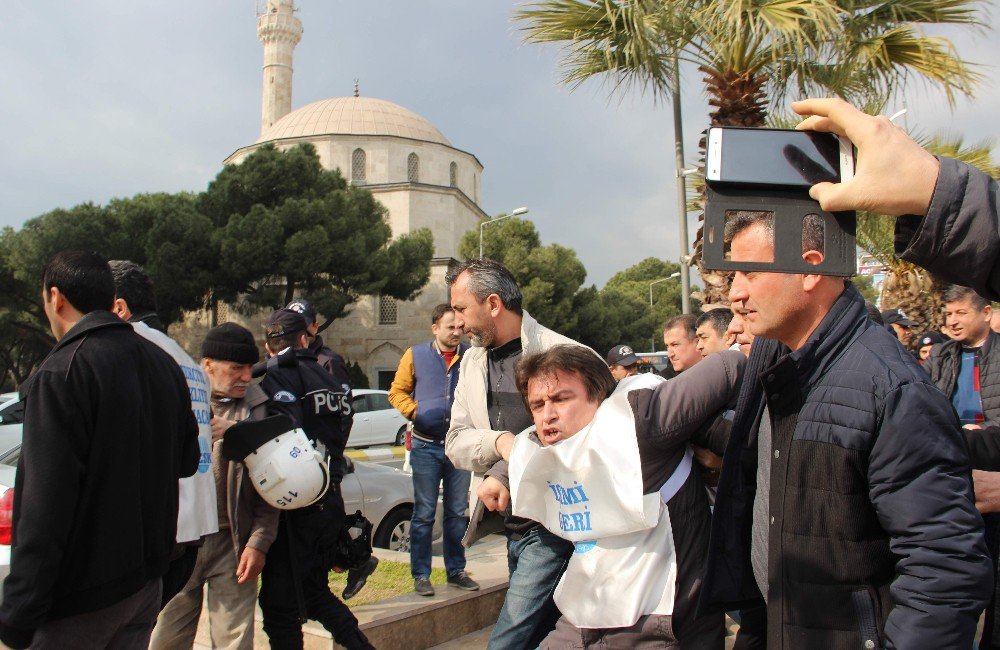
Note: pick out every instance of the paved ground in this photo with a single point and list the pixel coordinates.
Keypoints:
(475, 641)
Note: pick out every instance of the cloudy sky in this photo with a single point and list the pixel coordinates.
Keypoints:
(109, 98)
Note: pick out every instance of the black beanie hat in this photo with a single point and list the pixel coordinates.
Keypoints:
(230, 342)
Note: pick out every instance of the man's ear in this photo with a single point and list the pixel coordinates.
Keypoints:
(304, 340)
(810, 280)
(56, 299)
(494, 303)
(120, 309)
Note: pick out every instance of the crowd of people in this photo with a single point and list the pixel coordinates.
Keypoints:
(807, 464)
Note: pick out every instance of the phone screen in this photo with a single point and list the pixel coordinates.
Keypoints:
(778, 157)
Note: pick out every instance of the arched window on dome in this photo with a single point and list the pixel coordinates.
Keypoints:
(453, 175)
(413, 168)
(359, 164)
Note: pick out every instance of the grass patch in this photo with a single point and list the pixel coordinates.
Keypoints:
(390, 579)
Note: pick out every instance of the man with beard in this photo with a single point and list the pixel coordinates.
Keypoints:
(487, 304)
(423, 390)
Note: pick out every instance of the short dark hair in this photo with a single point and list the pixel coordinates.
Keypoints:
(438, 312)
(593, 371)
(83, 277)
(279, 343)
(719, 319)
(956, 292)
(133, 285)
(487, 277)
(813, 228)
(686, 321)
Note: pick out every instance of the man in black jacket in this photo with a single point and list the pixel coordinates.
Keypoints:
(845, 498)
(967, 367)
(294, 581)
(108, 431)
(967, 370)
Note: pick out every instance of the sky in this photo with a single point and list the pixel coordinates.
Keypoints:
(108, 99)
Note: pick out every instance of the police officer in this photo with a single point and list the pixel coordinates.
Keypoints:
(294, 581)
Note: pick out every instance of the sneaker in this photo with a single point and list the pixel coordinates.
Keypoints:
(423, 586)
(356, 578)
(463, 581)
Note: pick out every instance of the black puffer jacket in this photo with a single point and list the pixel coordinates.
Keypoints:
(958, 240)
(873, 534)
(945, 360)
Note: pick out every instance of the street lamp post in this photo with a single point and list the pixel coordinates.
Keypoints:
(675, 274)
(680, 173)
(513, 213)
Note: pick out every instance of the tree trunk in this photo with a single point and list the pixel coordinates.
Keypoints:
(739, 100)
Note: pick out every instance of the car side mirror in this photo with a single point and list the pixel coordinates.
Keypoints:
(348, 465)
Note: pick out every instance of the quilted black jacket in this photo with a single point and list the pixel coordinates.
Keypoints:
(874, 539)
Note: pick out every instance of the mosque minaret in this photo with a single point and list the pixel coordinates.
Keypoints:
(279, 30)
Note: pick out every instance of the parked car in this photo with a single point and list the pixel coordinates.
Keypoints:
(376, 422)
(383, 494)
(11, 417)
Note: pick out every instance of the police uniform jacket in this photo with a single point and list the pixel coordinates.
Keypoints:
(317, 401)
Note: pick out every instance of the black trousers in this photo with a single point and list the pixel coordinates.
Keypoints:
(294, 582)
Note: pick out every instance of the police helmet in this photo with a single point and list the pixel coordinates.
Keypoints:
(285, 467)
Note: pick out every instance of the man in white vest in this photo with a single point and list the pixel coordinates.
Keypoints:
(196, 514)
(609, 469)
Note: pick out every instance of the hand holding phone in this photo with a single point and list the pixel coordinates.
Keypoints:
(895, 175)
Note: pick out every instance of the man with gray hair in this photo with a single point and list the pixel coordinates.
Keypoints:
(681, 338)
(486, 415)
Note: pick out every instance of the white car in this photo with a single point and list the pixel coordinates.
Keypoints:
(383, 494)
(376, 422)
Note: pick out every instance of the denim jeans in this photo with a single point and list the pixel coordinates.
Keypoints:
(430, 468)
(536, 562)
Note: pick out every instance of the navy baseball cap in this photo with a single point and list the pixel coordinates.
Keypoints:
(284, 322)
(304, 307)
(622, 355)
(930, 338)
(896, 316)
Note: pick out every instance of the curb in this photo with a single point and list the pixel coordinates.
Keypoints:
(376, 453)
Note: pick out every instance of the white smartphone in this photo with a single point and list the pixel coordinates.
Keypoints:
(777, 157)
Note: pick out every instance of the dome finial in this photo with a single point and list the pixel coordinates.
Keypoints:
(355, 86)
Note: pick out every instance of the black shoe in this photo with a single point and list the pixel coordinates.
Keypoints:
(463, 581)
(423, 586)
(356, 578)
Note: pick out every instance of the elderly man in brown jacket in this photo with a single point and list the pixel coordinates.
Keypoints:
(230, 560)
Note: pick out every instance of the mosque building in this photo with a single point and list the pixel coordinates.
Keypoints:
(405, 161)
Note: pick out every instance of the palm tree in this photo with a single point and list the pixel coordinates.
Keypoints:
(752, 53)
(907, 286)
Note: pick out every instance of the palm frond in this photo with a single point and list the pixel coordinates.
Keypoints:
(622, 40)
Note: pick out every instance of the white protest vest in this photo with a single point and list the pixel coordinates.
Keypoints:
(588, 489)
(197, 512)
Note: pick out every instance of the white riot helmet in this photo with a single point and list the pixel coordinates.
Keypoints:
(285, 467)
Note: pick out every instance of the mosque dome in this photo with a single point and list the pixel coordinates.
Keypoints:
(353, 116)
